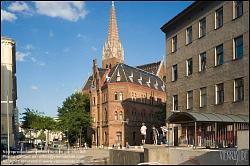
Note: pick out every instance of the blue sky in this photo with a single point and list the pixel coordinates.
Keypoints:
(57, 41)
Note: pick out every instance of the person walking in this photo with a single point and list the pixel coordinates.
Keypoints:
(155, 135)
(143, 133)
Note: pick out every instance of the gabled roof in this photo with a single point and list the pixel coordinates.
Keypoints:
(87, 84)
(151, 67)
(136, 76)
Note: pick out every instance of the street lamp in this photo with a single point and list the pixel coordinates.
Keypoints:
(8, 123)
(124, 121)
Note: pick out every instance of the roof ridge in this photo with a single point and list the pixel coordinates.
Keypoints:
(143, 70)
(149, 63)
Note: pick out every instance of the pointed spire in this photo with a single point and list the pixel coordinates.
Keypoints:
(113, 30)
(112, 47)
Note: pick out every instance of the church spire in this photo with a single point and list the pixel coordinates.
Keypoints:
(113, 31)
(113, 52)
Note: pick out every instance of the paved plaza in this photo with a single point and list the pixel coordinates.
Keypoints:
(72, 157)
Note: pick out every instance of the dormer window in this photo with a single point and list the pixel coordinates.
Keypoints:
(118, 76)
(163, 87)
(156, 84)
(107, 78)
(131, 77)
(140, 79)
(148, 83)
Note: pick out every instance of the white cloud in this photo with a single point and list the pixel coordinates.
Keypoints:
(51, 34)
(33, 87)
(71, 11)
(18, 6)
(7, 16)
(33, 59)
(41, 63)
(29, 47)
(79, 35)
(94, 48)
(21, 55)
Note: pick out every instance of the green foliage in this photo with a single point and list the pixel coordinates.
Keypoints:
(21, 136)
(33, 119)
(42, 136)
(161, 115)
(74, 117)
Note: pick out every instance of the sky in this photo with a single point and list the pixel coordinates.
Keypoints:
(56, 43)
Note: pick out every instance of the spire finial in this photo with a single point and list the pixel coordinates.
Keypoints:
(113, 3)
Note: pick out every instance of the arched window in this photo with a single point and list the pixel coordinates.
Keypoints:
(121, 96)
(116, 116)
(105, 137)
(105, 115)
(116, 96)
(110, 66)
(107, 66)
(120, 115)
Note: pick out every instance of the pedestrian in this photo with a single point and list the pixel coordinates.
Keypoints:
(143, 133)
(155, 135)
(164, 132)
(85, 146)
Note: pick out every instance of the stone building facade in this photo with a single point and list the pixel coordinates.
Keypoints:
(8, 92)
(207, 49)
(122, 96)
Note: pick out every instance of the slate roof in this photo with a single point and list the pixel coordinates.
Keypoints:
(88, 83)
(135, 75)
(131, 74)
(151, 67)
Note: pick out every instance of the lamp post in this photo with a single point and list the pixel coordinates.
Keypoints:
(8, 123)
(122, 121)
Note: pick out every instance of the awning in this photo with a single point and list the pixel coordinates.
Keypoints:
(185, 117)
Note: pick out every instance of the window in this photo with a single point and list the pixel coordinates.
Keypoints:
(219, 18)
(238, 89)
(105, 137)
(118, 136)
(238, 9)
(219, 57)
(175, 102)
(238, 47)
(118, 76)
(202, 61)
(189, 35)
(189, 99)
(202, 27)
(174, 73)
(120, 116)
(116, 96)
(189, 67)
(203, 97)
(105, 115)
(121, 96)
(219, 93)
(116, 116)
(174, 44)
(93, 100)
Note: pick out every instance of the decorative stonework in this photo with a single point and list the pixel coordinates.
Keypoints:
(113, 47)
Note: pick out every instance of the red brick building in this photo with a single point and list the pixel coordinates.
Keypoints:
(122, 96)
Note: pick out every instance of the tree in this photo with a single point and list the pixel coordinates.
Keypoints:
(74, 117)
(161, 115)
(34, 120)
